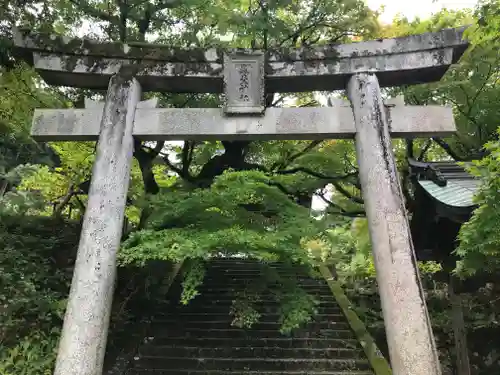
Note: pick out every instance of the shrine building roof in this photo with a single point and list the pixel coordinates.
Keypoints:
(447, 183)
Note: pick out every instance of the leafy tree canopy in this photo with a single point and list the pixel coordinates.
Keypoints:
(192, 200)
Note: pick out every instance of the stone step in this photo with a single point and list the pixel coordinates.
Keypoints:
(242, 284)
(248, 264)
(218, 372)
(257, 274)
(253, 270)
(203, 300)
(324, 300)
(226, 323)
(262, 276)
(277, 342)
(320, 290)
(253, 265)
(253, 333)
(247, 352)
(214, 308)
(183, 316)
(250, 364)
(198, 338)
(215, 275)
(227, 290)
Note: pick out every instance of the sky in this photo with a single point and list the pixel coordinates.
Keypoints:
(416, 8)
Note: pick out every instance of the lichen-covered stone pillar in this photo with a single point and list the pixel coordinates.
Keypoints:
(411, 343)
(83, 340)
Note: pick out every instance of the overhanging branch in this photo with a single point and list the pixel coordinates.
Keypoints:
(447, 148)
(91, 11)
(342, 211)
(295, 156)
(316, 174)
(346, 193)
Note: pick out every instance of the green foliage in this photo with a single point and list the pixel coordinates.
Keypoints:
(348, 248)
(486, 28)
(34, 287)
(21, 203)
(21, 94)
(239, 207)
(240, 213)
(16, 174)
(480, 237)
(470, 88)
(244, 310)
(402, 26)
(193, 278)
(34, 354)
(297, 307)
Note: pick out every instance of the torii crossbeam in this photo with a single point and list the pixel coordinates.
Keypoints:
(243, 76)
(210, 123)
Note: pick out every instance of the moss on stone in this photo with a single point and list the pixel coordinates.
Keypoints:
(135, 50)
(377, 361)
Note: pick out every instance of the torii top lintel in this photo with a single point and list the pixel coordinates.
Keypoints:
(89, 64)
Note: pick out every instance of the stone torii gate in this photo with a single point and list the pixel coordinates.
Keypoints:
(244, 76)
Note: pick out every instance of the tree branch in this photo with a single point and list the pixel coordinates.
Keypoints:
(145, 157)
(64, 202)
(156, 151)
(277, 101)
(91, 11)
(171, 166)
(446, 147)
(187, 151)
(82, 206)
(292, 158)
(424, 150)
(316, 174)
(458, 106)
(144, 23)
(342, 211)
(191, 154)
(306, 149)
(409, 148)
(345, 193)
(166, 4)
(122, 24)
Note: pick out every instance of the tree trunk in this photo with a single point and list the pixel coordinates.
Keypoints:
(3, 187)
(459, 330)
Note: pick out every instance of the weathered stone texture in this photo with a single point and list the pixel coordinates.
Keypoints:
(201, 338)
(409, 334)
(85, 329)
(210, 123)
(88, 64)
(244, 84)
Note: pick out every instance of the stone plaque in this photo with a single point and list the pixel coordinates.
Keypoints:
(244, 83)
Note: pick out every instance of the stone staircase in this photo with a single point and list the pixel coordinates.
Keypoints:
(198, 339)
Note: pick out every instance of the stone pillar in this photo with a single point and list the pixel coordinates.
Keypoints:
(83, 340)
(411, 343)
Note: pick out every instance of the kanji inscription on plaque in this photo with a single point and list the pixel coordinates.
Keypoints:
(244, 83)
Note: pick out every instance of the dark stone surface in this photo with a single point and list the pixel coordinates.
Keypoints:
(199, 338)
(89, 64)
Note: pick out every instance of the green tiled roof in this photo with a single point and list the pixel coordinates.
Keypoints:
(446, 182)
(456, 193)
